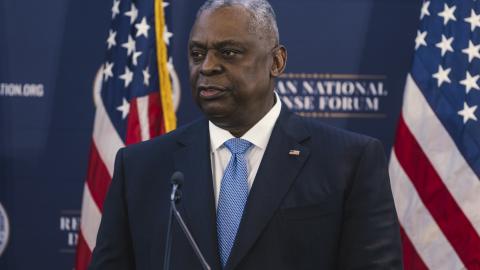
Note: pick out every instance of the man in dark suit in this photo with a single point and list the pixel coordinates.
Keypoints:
(264, 188)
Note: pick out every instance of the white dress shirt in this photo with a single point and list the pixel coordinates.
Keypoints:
(258, 135)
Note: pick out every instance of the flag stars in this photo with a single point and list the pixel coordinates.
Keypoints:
(468, 113)
(142, 28)
(447, 13)
(473, 51)
(107, 71)
(473, 20)
(111, 39)
(165, 4)
(115, 8)
(124, 108)
(442, 75)
(424, 12)
(445, 45)
(420, 39)
(132, 13)
(170, 66)
(166, 35)
(130, 45)
(135, 58)
(470, 82)
(127, 77)
(146, 76)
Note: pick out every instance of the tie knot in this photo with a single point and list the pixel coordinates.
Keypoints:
(237, 145)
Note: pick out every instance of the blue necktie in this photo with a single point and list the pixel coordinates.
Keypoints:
(233, 196)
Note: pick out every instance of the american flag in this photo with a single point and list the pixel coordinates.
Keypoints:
(133, 98)
(435, 162)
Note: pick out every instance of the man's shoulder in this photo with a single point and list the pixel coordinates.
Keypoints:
(323, 132)
(329, 141)
(339, 147)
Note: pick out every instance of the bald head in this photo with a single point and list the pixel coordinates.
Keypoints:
(263, 19)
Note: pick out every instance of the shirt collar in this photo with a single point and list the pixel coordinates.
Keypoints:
(258, 135)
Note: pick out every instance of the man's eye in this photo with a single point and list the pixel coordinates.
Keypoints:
(197, 55)
(229, 53)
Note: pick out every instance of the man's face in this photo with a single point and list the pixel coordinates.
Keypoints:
(230, 68)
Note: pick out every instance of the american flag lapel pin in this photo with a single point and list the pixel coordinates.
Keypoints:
(294, 153)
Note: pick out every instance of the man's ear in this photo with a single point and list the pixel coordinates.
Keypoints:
(279, 61)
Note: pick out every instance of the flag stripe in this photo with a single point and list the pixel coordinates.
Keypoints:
(98, 179)
(411, 259)
(155, 113)
(449, 217)
(133, 126)
(91, 217)
(420, 227)
(142, 107)
(442, 152)
(84, 255)
(104, 134)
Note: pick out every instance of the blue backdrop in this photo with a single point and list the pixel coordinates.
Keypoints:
(347, 64)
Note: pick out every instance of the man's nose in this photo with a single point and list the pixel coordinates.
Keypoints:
(211, 64)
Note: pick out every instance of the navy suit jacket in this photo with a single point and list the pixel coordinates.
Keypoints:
(330, 207)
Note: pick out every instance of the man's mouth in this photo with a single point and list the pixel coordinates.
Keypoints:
(210, 91)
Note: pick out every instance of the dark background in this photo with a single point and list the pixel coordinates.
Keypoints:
(44, 141)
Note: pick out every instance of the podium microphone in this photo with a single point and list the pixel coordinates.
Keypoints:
(177, 181)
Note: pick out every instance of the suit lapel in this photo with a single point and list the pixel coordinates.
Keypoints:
(193, 159)
(273, 180)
